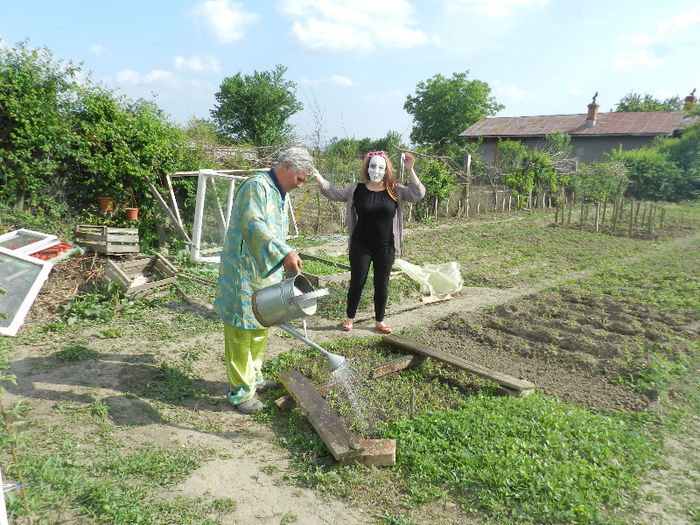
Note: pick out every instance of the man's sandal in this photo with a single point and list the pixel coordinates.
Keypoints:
(386, 329)
(347, 326)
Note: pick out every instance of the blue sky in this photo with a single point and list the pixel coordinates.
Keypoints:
(355, 62)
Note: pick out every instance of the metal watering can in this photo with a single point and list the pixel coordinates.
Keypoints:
(290, 299)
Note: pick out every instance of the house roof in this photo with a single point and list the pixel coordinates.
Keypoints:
(646, 123)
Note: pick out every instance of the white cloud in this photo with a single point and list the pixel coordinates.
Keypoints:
(338, 80)
(129, 76)
(353, 25)
(227, 20)
(499, 8)
(575, 91)
(96, 49)
(390, 97)
(198, 64)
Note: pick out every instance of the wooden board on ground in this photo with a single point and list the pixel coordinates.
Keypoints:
(406, 361)
(342, 443)
(513, 386)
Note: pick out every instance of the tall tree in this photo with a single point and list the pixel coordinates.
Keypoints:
(256, 108)
(635, 102)
(444, 107)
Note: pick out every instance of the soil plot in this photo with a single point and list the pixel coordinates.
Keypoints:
(575, 347)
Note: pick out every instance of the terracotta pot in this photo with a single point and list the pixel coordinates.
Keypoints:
(132, 214)
(106, 203)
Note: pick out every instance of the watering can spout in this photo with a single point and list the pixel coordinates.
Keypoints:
(334, 360)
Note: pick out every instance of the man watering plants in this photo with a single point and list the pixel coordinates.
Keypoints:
(256, 255)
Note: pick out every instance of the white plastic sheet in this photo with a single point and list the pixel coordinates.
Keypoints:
(434, 279)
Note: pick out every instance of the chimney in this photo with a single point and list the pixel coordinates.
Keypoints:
(690, 101)
(592, 117)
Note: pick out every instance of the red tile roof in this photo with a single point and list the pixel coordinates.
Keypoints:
(648, 123)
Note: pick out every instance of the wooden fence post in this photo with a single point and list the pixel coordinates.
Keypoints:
(605, 209)
(597, 215)
(631, 216)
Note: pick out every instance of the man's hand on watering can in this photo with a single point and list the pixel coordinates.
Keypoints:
(292, 263)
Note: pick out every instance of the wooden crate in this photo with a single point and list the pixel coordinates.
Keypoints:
(142, 273)
(107, 240)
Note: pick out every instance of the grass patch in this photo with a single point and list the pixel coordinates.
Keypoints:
(527, 461)
(76, 353)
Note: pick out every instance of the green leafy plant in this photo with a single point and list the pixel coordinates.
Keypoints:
(99, 305)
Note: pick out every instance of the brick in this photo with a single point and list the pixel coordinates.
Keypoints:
(377, 453)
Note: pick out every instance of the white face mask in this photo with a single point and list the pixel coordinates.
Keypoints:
(376, 169)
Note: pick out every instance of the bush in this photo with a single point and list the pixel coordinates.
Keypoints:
(652, 176)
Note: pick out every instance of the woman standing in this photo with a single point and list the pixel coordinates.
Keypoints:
(375, 227)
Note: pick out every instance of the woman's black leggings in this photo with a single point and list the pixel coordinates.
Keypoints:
(382, 259)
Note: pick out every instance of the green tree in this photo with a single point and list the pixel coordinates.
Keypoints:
(256, 108)
(635, 102)
(35, 98)
(444, 107)
(203, 132)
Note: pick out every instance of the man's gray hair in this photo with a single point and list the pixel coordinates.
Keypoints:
(299, 158)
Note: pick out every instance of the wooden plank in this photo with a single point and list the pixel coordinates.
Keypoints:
(401, 363)
(287, 403)
(122, 237)
(519, 386)
(342, 443)
(164, 266)
(149, 285)
(117, 272)
(126, 231)
(112, 249)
